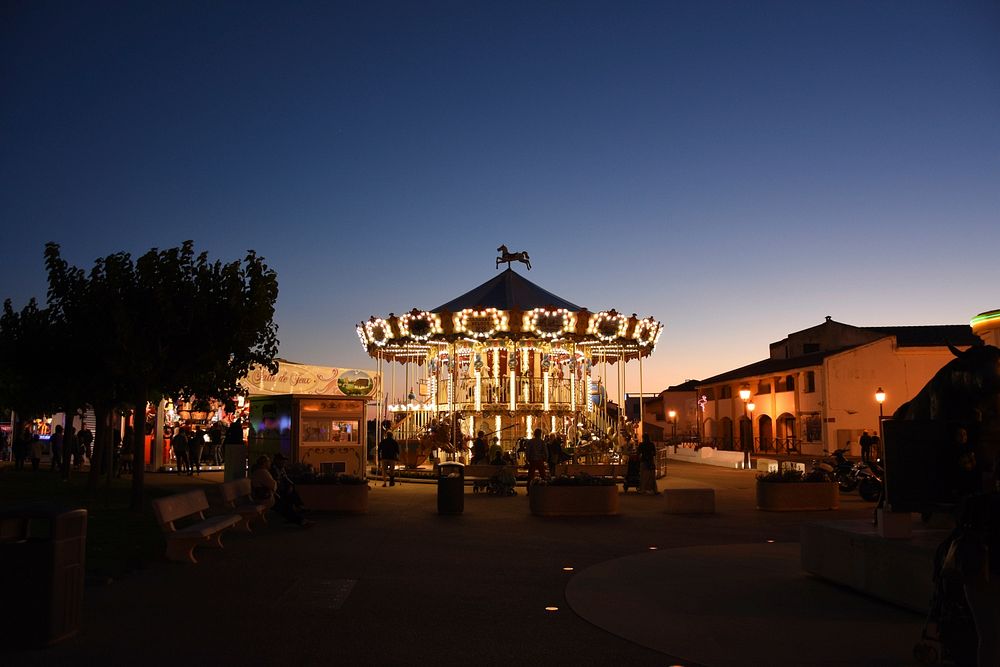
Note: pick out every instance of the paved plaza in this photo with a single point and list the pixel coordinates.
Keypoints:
(403, 585)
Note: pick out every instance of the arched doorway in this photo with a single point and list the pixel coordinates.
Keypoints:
(786, 433)
(765, 429)
(709, 427)
(725, 433)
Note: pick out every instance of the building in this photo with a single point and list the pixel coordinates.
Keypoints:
(816, 390)
(680, 401)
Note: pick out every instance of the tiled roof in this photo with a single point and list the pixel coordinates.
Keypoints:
(958, 335)
(768, 366)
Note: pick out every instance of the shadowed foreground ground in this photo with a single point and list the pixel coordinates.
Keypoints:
(402, 584)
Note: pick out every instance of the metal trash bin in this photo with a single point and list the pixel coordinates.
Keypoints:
(451, 487)
(42, 550)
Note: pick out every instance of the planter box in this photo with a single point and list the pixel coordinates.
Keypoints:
(573, 500)
(344, 498)
(795, 496)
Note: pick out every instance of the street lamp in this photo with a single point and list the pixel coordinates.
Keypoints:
(880, 398)
(673, 424)
(745, 397)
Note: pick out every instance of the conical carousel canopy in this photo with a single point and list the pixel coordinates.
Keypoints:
(508, 291)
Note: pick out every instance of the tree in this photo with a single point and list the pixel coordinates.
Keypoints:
(27, 360)
(168, 324)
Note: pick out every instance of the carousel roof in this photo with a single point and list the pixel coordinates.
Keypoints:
(507, 291)
(508, 307)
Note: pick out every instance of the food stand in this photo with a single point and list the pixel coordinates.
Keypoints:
(311, 414)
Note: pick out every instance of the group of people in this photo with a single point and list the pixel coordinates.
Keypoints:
(870, 444)
(543, 454)
(271, 485)
(67, 447)
(192, 446)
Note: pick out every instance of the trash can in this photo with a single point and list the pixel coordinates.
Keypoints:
(42, 549)
(451, 487)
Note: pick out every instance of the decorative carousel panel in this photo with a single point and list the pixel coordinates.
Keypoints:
(378, 331)
(481, 324)
(549, 324)
(606, 326)
(420, 325)
(647, 331)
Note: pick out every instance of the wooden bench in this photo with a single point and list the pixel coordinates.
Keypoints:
(236, 496)
(188, 509)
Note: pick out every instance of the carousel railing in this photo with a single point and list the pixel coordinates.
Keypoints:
(494, 393)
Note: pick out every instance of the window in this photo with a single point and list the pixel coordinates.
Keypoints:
(810, 382)
(709, 393)
(725, 391)
(763, 387)
(814, 428)
(789, 383)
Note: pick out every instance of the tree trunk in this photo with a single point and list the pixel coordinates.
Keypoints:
(102, 433)
(138, 451)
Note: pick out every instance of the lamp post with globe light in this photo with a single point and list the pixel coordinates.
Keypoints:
(744, 445)
(880, 399)
(673, 425)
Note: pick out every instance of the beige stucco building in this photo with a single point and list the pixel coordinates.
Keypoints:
(816, 390)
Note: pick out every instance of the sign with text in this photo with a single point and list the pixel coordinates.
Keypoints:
(294, 378)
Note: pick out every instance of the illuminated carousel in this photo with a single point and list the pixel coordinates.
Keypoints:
(505, 358)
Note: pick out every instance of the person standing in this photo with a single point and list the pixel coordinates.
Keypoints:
(554, 453)
(86, 440)
(647, 466)
(866, 446)
(56, 448)
(195, 447)
(22, 440)
(388, 454)
(479, 448)
(70, 447)
(179, 443)
(215, 443)
(36, 452)
(537, 455)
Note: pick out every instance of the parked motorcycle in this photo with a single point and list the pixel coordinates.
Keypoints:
(871, 481)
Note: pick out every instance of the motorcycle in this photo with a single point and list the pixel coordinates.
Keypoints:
(871, 481)
(843, 471)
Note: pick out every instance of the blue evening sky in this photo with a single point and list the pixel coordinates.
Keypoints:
(738, 170)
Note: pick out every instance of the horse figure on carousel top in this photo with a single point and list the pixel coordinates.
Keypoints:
(507, 256)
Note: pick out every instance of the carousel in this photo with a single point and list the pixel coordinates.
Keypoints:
(504, 358)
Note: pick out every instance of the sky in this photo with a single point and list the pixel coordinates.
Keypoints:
(738, 170)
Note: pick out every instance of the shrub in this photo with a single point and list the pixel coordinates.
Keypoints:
(580, 479)
(789, 476)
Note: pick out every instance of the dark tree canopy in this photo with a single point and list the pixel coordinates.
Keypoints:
(170, 323)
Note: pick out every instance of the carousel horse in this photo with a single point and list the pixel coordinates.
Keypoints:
(507, 256)
(965, 394)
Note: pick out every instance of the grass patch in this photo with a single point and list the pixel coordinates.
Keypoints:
(118, 539)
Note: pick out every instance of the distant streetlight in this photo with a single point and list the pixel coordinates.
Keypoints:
(744, 445)
(880, 399)
(673, 424)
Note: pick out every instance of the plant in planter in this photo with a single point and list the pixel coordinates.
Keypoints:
(574, 495)
(331, 493)
(791, 490)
